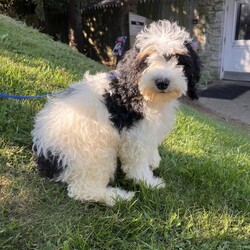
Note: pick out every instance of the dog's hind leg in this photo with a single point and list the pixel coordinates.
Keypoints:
(97, 190)
(90, 181)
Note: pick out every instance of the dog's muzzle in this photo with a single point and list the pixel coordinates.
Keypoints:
(162, 84)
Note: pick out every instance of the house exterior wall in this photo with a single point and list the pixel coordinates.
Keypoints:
(209, 34)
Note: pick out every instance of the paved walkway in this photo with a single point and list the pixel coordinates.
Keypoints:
(228, 100)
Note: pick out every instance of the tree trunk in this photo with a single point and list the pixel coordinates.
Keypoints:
(75, 26)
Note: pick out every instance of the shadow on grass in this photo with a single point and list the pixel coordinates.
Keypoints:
(202, 182)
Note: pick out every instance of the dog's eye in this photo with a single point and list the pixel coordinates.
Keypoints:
(143, 63)
(168, 57)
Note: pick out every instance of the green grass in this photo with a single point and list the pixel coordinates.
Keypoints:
(205, 163)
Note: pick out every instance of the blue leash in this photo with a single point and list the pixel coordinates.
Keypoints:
(28, 96)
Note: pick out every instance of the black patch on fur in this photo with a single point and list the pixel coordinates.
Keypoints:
(130, 68)
(124, 103)
(48, 167)
(192, 68)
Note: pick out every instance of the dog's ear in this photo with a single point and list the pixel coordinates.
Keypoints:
(192, 67)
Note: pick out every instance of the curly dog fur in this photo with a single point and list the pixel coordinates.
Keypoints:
(79, 135)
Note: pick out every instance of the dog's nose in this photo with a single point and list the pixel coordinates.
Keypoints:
(162, 83)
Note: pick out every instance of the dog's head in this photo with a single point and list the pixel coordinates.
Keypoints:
(162, 63)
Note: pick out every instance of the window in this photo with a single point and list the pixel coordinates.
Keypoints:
(243, 22)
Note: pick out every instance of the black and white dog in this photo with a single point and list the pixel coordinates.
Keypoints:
(124, 114)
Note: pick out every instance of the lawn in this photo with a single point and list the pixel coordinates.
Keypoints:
(205, 162)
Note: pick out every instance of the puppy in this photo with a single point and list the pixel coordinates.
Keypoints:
(79, 135)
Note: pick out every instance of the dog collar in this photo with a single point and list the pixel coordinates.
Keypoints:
(112, 75)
